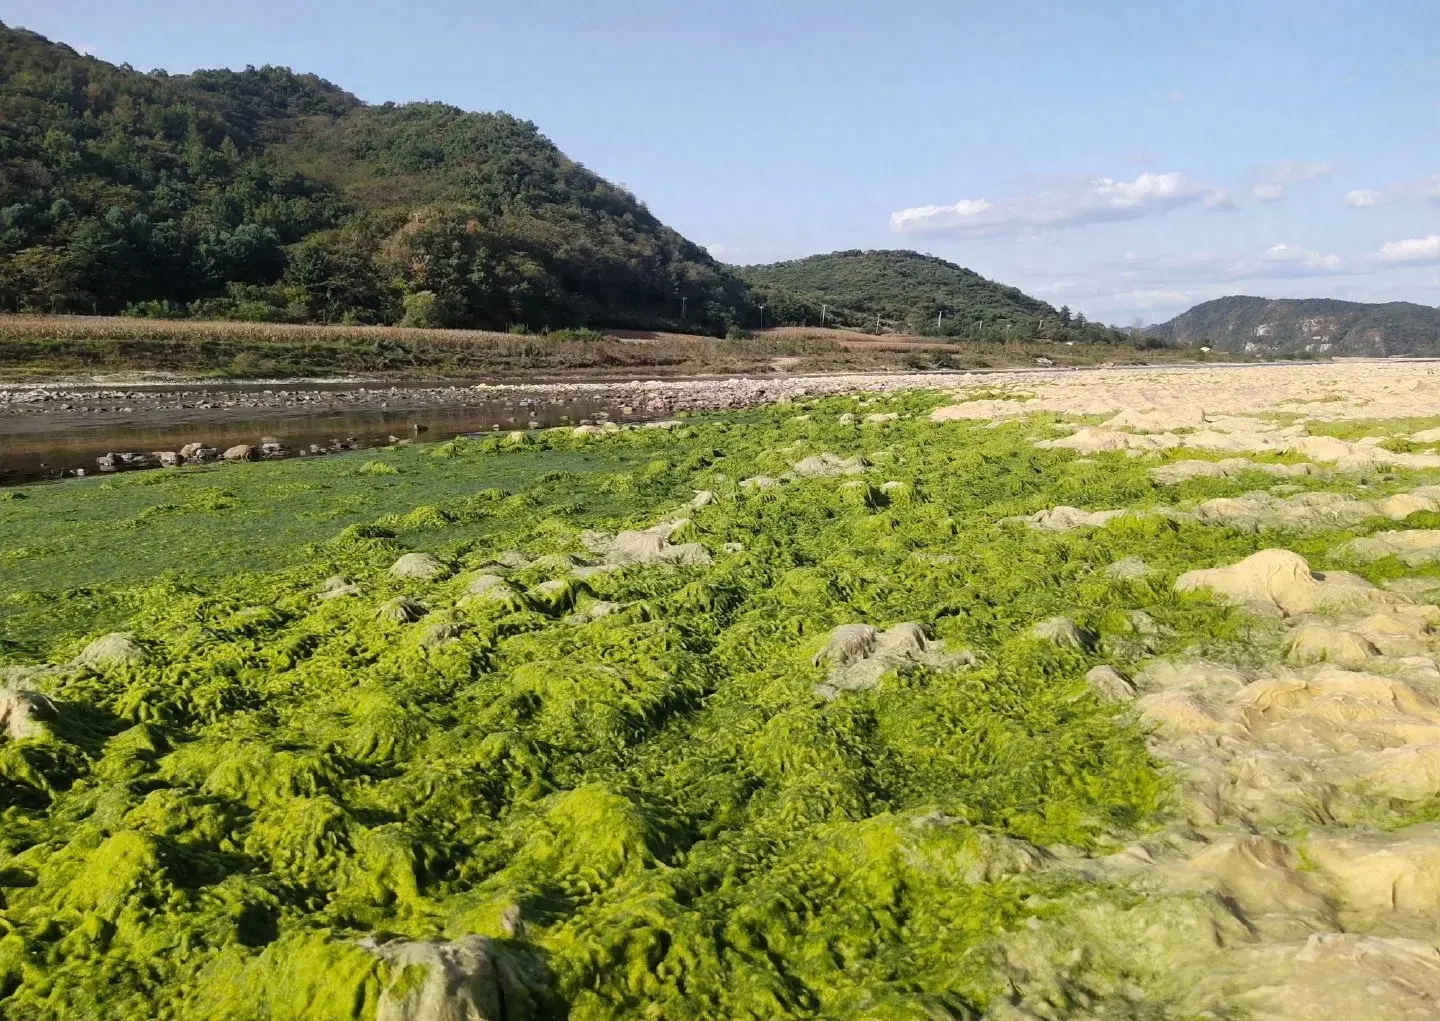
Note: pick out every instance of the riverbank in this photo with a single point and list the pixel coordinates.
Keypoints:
(41, 348)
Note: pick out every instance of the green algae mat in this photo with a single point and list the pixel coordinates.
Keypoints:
(595, 752)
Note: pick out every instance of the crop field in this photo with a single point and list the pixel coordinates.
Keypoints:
(907, 707)
(37, 346)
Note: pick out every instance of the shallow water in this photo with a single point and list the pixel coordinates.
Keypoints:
(36, 447)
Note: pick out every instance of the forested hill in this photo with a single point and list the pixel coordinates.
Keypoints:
(905, 290)
(1322, 326)
(267, 194)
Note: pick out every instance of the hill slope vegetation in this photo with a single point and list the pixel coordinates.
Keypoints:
(1322, 326)
(908, 291)
(271, 195)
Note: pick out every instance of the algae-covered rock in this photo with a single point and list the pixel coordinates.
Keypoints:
(1063, 631)
(493, 592)
(113, 650)
(858, 655)
(338, 587)
(554, 596)
(418, 567)
(401, 610)
(468, 979)
(1064, 519)
(823, 465)
(856, 493)
(439, 634)
(1131, 568)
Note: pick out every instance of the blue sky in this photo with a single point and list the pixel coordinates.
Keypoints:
(1127, 158)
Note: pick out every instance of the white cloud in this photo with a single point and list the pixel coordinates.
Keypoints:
(1362, 198)
(1426, 249)
(1268, 192)
(1076, 204)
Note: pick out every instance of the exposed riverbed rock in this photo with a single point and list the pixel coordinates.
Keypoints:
(337, 587)
(418, 567)
(858, 655)
(1063, 519)
(197, 453)
(117, 649)
(1110, 684)
(239, 452)
(1273, 579)
(401, 610)
(1063, 631)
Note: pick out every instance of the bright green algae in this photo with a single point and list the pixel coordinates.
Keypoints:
(686, 829)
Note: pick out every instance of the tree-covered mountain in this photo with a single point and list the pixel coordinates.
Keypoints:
(1320, 326)
(908, 291)
(268, 194)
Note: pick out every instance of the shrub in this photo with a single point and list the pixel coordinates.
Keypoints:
(422, 309)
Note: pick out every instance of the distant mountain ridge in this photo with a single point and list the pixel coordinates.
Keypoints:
(1299, 326)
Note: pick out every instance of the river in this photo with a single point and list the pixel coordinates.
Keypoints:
(57, 432)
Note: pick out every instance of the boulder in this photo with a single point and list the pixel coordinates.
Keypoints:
(239, 452)
(22, 713)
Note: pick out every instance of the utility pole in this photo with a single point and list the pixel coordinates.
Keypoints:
(683, 300)
(939, 319)
(762, 317)
(822, 313)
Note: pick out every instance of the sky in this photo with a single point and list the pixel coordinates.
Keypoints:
(1129, 159)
